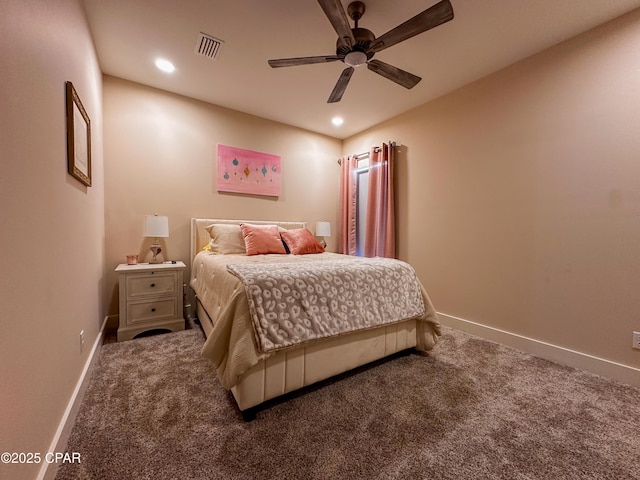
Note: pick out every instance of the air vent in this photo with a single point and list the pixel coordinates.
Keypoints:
(208, 46)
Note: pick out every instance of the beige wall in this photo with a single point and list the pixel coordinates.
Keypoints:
(519, 195)
(51, 226)
(160, 157)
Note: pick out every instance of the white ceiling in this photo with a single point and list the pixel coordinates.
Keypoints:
(483, 37)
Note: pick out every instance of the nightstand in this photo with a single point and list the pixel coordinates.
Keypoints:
(150, 298)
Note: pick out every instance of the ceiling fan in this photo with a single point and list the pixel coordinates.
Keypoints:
(356, 46)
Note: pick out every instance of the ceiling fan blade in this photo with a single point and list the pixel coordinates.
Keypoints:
(433, 16)
(292, 62)
(335, 13)
(406, 79)
(341, 85)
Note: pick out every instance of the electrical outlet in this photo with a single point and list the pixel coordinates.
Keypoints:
(81, 341)
(636, 340)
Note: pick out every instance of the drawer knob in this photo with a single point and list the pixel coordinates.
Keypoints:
(153, 309)
(153, 284)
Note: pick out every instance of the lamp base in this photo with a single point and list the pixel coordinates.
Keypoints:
(155, 249)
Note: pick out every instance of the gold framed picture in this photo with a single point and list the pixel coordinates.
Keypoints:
(78, 137)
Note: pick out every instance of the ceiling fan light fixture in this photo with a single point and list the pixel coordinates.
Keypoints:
(355, 59)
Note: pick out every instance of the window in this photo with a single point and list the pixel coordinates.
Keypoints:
(362, 189)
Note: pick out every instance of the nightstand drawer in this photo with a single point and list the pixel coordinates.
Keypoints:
(152, 310)
(152, 284)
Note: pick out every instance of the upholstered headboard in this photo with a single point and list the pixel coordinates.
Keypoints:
(200, 237)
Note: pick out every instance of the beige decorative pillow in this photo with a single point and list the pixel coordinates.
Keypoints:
(226, 239)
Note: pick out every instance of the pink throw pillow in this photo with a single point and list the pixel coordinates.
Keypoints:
(301, 241)
(262, 239)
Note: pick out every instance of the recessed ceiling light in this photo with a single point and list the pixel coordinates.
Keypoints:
(165, 65)
(337, 121)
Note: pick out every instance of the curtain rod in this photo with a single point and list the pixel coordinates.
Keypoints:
(360, 156)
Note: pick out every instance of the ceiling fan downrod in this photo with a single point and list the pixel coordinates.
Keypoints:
(356, 11)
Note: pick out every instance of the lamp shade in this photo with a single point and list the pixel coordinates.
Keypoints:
(323, 229)
(156, 226)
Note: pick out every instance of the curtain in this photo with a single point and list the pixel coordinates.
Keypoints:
(380, 235)
(348, 198)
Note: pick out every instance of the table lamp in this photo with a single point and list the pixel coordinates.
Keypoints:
(156, 226)
(323, 229)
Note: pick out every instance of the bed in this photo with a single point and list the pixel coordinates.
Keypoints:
(260, 365)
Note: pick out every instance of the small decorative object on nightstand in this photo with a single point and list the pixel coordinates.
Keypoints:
(150, 298)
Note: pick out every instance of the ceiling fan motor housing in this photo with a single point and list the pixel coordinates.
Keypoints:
(363, 39)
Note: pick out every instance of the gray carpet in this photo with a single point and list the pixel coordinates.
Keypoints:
(471, 409)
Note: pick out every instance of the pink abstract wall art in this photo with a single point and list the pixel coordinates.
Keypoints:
(246, 171)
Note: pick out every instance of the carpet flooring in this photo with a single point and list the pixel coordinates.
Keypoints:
(470, 409)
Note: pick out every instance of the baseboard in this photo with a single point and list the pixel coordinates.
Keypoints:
(59, 442)
(600, 366)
